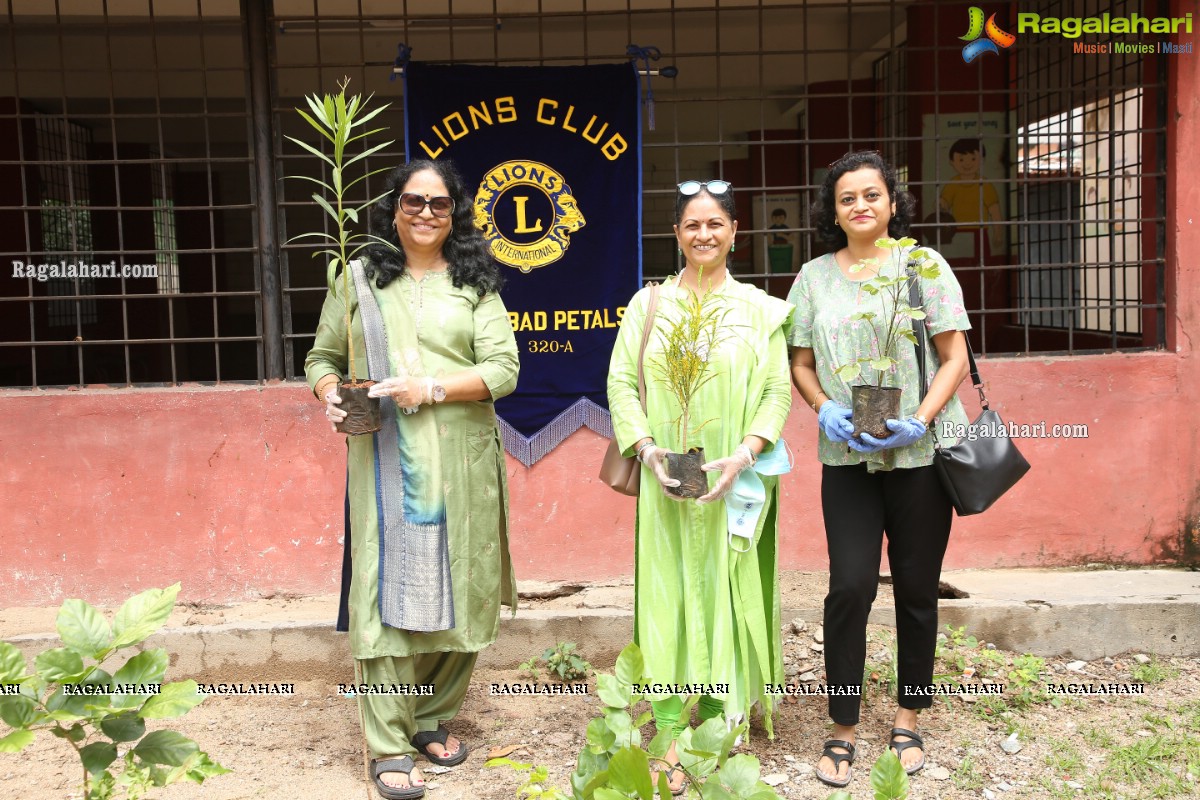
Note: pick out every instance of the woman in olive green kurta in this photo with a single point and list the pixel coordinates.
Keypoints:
(450, 352)
(705, 613)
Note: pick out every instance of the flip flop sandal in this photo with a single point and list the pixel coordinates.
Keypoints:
(913, 741)
(402, 764)
(422, 740)
(837, 759)
(670, 773)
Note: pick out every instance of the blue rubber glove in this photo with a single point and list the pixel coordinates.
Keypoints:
(860, 447)
(904, 433)
(834, 419)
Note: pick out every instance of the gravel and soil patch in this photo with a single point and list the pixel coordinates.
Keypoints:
(1117, 746)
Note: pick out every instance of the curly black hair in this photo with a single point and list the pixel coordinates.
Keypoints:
(466, 251)
(824, 212)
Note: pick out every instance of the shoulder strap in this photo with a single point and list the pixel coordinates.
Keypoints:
(914, 300)
(651, 308)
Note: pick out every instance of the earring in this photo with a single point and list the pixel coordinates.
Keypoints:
(732, 247)
(680, 250)
(835, 222)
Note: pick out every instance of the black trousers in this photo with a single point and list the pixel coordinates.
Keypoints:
(913, 509)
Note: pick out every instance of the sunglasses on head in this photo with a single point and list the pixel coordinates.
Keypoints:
(689, 188)
(413, 204)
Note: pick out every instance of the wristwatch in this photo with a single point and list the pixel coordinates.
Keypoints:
(437, 392)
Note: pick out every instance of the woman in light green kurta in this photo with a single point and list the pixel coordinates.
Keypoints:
(447, 352)
(706, 615)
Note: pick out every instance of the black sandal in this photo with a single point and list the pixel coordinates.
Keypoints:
(422, 739)
(402, 764)
(913, 741)
(670, 773)
(837, 759)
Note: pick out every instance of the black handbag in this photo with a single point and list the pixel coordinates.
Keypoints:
(983, 465)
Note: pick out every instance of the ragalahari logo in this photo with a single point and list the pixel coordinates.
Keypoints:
(997, 39)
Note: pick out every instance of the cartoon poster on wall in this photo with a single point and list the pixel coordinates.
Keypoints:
(964, 190)
(775, 214)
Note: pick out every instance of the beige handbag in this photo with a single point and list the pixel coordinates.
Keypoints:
(621, 474)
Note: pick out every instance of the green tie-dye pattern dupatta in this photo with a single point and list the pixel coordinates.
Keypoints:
(415, 590)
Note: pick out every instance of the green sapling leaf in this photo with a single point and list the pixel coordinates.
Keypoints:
(82, 629)
(142, 615)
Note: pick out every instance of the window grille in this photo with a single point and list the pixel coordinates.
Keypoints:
(126, 135)
(125, 143)
(66, 220)
(166, 256)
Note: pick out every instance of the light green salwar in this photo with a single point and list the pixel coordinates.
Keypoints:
(704, 614)
(457, 331)
(389, 721)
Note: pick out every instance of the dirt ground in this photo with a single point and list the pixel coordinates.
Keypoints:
(308, 745)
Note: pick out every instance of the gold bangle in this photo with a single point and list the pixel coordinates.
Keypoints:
(334, 381)
(815, 406)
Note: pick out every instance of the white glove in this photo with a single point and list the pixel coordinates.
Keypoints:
(332, 412)
(729, 467)
(407, 393)
(655, 458)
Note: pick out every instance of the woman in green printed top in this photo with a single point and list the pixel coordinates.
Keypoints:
(871, 486)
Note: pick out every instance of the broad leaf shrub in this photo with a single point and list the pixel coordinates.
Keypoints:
(69, 696)
(614, 765)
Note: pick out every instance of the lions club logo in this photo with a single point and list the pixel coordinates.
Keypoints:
(527, 214)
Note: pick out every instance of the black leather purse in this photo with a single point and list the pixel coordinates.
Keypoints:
(982, 466)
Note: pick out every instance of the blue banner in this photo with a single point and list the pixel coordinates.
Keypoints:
(556, 155)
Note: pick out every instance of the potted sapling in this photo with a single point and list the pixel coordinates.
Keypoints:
(340, 120)
(874, 403)
(683, 368)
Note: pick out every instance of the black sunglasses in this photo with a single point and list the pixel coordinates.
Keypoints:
(413, 204)
(689, 188)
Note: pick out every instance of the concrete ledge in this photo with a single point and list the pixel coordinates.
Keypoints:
(1085, 615)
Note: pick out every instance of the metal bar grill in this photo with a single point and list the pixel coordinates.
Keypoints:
(1057, 238)
(151, 97)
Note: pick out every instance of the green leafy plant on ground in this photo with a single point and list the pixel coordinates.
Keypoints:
(614, 765)
(880, 676)
(536, 786)
(1153, 671)
(888, 780)
(562, 662)
(90, 709)
(959, 654)
(967, 776)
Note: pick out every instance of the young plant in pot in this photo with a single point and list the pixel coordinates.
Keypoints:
(340, 121)
(683, 368)
(873, 404)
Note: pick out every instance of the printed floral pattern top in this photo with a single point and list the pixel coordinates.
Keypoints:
(825, 300)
